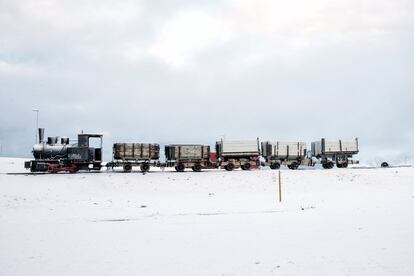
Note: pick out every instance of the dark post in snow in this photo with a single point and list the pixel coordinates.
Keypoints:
(280, 187)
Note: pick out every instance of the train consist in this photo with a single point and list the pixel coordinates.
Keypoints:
(52, 156)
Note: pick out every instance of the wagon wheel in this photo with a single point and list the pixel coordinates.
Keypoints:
(180, 167)
(293, 166)
(197, 167)
(127, 167)
(229, 167)
(246, 166)
(275, 166)
(145, 167)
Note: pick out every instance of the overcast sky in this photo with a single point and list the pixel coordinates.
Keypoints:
(194, 71)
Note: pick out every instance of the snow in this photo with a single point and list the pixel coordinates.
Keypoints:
(330, 222)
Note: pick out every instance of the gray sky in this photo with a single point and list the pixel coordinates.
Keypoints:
(193, 71)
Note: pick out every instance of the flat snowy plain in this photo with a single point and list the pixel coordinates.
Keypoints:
(330, 222)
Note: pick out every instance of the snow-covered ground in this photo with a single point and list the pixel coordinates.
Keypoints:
(330, 222)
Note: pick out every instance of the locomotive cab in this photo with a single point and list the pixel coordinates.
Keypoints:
(92, 143)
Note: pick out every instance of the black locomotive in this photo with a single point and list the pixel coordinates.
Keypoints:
(52, 156)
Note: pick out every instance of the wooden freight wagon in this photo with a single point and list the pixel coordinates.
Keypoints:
(337, 152)
(238, 154)
(129, 155)
(292, 154)
(182, 156)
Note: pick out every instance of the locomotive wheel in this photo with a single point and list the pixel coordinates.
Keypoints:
(229, 167)
(345, 165)
(275, 166)
(145, 167)
(180, 168)
(197, 168)
(127, 168)
(325, 166)
(338, 165)
(75, 169)
(330, 165)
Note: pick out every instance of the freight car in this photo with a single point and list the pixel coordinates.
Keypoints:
(238, 154)
(52, 156)
(279, 153)
(335, 152)
(196, 157)
(128, 155)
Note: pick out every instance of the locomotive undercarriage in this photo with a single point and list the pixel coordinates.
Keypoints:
(55, 166)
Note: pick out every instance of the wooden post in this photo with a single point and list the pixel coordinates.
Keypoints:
(280, 187)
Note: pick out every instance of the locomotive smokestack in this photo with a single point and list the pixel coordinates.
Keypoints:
(41, 134)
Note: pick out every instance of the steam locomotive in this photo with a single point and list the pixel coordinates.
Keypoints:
(52, 156)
